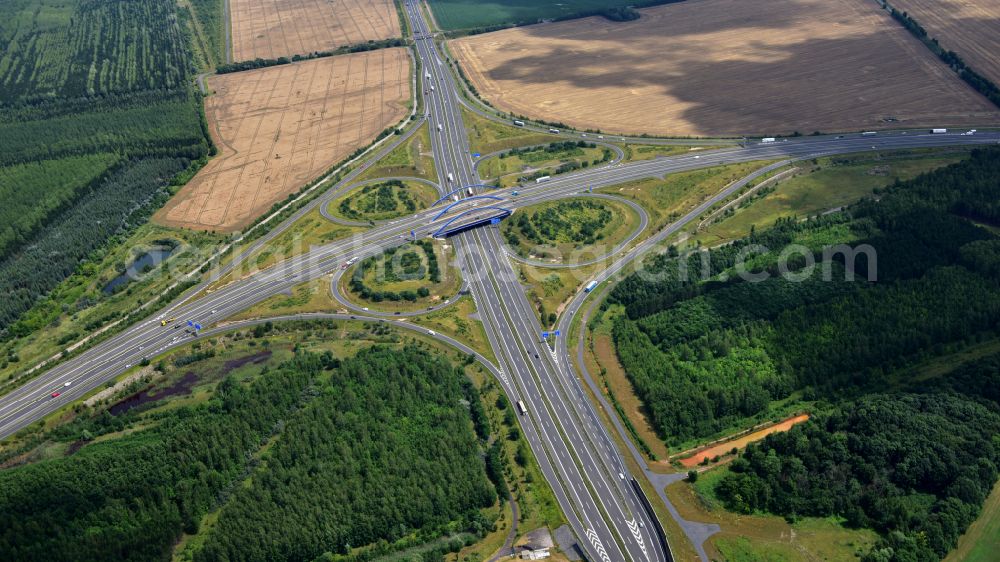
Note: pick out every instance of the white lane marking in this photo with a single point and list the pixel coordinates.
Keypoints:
(634, 527)
(598, 546)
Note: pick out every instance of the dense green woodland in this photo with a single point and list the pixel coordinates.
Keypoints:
(359, 451)
(912, 460)
(704, 356)
(97, 115)
(915, 467)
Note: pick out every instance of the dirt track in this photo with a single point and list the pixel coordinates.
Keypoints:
(279, 128)
(281, 28)
(710, 67)
(971, 28)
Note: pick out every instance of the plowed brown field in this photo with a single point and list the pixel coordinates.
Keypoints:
(710, 67)
(971, 28)
(279, 128)
(280, 28)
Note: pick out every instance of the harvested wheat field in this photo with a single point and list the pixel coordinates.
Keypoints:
(971, 28)
(720, 67)
(270, 29)
(279, 128)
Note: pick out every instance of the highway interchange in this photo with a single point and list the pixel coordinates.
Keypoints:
(577, 455)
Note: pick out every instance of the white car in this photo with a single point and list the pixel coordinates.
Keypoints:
(431, 332)
(67, 383)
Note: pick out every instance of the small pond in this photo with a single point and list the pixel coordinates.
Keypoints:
(143, 263)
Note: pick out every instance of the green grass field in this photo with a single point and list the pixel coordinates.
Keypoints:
(412, 158)
(486, 136)
(468, 14)
(828, 183)
(668, 199)
(515, 168)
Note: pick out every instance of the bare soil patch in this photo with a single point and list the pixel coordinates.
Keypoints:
(722, 449)
(971, 28)
(280, 127)
(270, 29)
(724, 67)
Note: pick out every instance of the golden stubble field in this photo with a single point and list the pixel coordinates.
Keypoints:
(971, 28)
(280, 127)
(281, 28)
(720, 67)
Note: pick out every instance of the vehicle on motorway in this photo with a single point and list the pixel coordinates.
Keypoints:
(431, 332)
(590, 287)
(543, 179)
(767, 140)
(440, 127)
(451, 177)
(554, 131)
(427, 75)
(938, 131)
(514, 193)
(522, 408)
(67, 383)
(432, 87)
(519, 123)
(469, 192)
(56, 394)
(869, 133)
(167, 321)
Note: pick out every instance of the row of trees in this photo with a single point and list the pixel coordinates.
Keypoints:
(91, 47)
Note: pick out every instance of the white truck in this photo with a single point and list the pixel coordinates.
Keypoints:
(869, 133)
(938, 131)
(451, 177)
(440, 127)
(767, 140)
(522, 408)
(543, 179)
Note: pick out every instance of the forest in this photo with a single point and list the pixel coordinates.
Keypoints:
(704, 355)
(914, 466)
(96, 127)
(908, 456)
(315, 457)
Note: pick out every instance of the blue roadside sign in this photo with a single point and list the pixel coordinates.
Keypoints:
(197, 326)
(475, 155)
(558, 333)
(545, 334)
(190, 323)
(495, 220)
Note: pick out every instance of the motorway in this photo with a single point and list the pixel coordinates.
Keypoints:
(577, 455)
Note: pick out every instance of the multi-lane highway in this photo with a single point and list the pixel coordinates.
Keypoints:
(577, 456)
